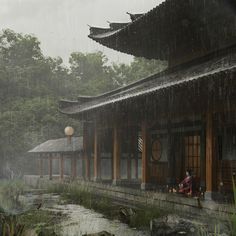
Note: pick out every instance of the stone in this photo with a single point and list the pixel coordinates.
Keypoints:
(125, 214)
(103, 233)
(172, 225)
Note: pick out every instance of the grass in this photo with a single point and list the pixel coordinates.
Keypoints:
(233, 217)
(10, 191)
(15, 221)
(76, 194)
(10, 226)
(231, 222)
(142, 217)
(43, 222)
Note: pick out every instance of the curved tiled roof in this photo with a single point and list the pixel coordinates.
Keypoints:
(155, 83)
(60, 145)
(174, 30)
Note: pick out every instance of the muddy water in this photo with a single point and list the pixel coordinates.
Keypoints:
(79, 220)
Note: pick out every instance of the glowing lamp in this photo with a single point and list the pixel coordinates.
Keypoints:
(69, 131)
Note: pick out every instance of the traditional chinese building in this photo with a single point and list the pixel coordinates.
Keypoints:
(149, 132)
(60, 158)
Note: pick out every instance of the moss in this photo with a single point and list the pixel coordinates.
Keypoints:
(44, 222)
(143, 216)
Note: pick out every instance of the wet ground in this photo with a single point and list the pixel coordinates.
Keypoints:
(78, 220)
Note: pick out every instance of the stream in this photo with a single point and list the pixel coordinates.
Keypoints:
(77, 219)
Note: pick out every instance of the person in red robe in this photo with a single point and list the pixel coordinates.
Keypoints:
(186, 185)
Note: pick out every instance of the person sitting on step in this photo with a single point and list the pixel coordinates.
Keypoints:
(186, 185)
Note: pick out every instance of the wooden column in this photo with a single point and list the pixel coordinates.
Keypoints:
(145, 145)
(129, 168)
(136, 168)
(85, 150)
(50, 167)
(171, 175)
(61, 167)
(96, 163)
(136, 151)
(116, 155)
(40, 166)
(203, 159)
(210, 159)
(73, 167)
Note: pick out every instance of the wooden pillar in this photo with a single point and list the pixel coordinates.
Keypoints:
(145, 145)
(210, 159)
(171, 175)
(116, 155)
(136, 167)
(50, 167)
(136, 151)
(40, 166)
(61, 167)
(85, 150)
(96, 163)
(73, 167)
(129, 167)
(203, 160)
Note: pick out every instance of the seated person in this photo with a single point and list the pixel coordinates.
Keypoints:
(186, 185)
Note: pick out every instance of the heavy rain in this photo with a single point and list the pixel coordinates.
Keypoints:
(117, 118)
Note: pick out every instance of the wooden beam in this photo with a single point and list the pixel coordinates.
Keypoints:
(116, 155)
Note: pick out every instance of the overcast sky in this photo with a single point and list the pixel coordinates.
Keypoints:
(61, 25)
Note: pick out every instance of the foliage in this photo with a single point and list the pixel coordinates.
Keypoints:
(92, 72)
(9, 194)
(143, 217)
(10, 226)
(41, 221)
(233, 217)
(31, 86)
(138, 69)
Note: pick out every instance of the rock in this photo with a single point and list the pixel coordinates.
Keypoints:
(221, 229)
(125, 214)
(172, 225)
(103, 233)
(30, 232)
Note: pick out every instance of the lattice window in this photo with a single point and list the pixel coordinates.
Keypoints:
(192, 154)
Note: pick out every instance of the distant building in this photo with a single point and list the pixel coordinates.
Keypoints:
(60, 157)
(151, 131)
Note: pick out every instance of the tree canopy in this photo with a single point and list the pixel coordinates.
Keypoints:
(32, 84)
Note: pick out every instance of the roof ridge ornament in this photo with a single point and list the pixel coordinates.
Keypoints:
(134, 17)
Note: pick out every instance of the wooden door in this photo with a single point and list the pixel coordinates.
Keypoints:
(192, 155)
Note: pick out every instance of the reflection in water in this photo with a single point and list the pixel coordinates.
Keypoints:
(80, 220)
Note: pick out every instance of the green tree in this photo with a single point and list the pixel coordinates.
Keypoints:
(139, 68)
(91, 72)
(31, 86)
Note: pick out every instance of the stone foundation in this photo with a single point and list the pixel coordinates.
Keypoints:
(172, 202)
